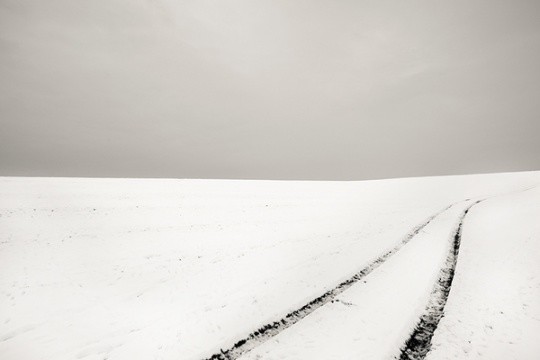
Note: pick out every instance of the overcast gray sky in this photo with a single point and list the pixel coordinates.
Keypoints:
(286, 89)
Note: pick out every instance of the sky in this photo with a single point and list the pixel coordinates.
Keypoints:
(242, 89)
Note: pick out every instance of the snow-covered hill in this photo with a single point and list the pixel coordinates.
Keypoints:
(187, 269)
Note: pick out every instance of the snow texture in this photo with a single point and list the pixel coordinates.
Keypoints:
(181, 269)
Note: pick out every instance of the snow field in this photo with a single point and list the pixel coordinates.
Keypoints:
(178, 269)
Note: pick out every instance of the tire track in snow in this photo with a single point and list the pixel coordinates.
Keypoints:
(419, 342)
(272, 329)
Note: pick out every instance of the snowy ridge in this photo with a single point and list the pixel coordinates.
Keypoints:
(179, 269)
(272, 329)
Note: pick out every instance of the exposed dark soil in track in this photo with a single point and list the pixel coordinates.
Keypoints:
(419, 343)
(272, 329)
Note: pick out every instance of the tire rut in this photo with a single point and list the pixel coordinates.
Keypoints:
(272, 329)
(419, 343)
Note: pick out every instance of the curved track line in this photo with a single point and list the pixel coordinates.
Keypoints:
(419, 342)
(272, 329)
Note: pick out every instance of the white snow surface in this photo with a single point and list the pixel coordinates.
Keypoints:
(179, 269)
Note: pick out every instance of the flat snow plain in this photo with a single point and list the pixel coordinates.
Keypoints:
(180, 269)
